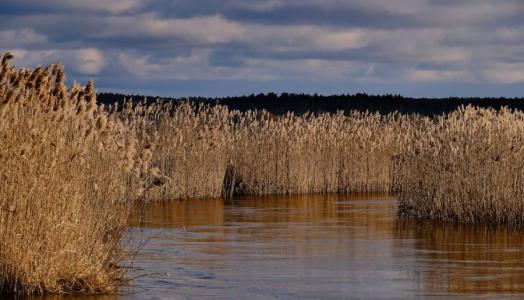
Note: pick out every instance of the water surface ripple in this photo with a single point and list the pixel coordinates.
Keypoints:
(318, 247)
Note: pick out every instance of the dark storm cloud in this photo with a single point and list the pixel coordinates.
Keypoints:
(290, 13)
(326, 16)
(206, 47)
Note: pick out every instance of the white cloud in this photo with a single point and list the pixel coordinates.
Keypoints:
(438, 75)
(23, 37)
(309, 69)
(206, 30)
(262, 6)
(504, 73)
(217, 30)
(197, 65)
(88, 61)
(304, 38)
(469, 13)
(112, 6)
(193, 66)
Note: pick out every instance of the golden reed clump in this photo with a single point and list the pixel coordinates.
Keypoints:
(210, 151)
(465, 167)
(192, 147)
(316, 154)
(65, 194)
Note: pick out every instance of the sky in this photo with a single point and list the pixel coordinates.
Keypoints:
(418, 48)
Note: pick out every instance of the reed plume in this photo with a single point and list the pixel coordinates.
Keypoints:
(63, 203)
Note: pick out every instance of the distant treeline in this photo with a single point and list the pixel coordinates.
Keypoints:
(302, 103)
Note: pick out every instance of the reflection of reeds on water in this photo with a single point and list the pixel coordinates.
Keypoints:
(180, 214)
(71, 297)
(332, 209)
(463, 259)
(279, 225)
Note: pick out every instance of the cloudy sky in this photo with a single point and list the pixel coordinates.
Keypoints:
(234, 47)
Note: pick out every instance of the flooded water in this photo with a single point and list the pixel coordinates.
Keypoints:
(318, 247)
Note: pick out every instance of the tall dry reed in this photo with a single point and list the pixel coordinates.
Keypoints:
(192, 146)
(466, 166)
(209, 151)
(316, 154)
(67, 169)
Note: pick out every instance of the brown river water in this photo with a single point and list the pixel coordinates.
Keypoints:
(317, 247)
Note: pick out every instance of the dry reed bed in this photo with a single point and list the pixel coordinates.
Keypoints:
(210, 151)
(192, 146)
(316, 154)
(65, 164)
(467, 166)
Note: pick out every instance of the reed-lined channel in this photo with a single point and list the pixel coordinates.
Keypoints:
(318, 247)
